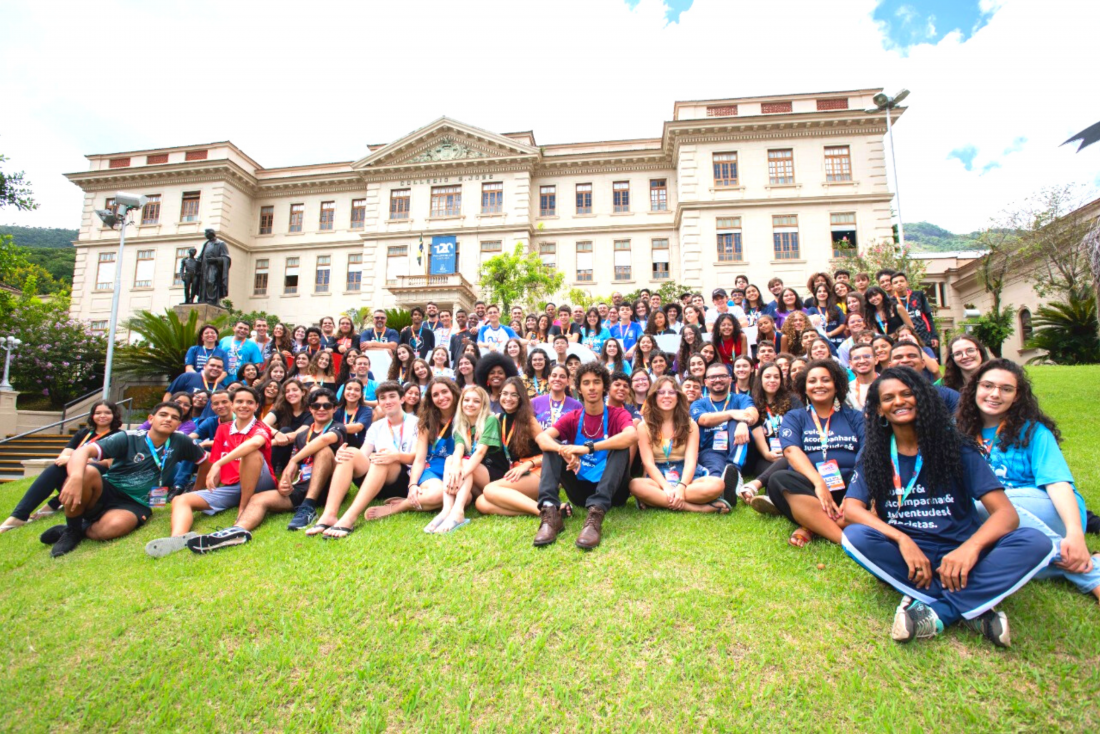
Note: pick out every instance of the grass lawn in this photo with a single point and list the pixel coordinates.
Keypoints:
(675, 622)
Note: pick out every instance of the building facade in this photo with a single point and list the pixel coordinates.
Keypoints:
(765, 186)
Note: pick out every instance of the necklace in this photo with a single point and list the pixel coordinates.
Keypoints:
(599, 431)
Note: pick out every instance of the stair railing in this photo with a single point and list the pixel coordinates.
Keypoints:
(128, 402)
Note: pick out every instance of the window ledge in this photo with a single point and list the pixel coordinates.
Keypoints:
(827, 184)
(583, 216)
(622, 214)
(783, 186)
(490, 215)
(787, 262)
(294, 234)
(193, 222)
(623, 282)
(548, 216)
(715, 189)
(727, 263)
(450, 217)
(268, 234)
(353, 293)
(658, 211)
(290, 295)
(584, 283)
(401, 220)
(323, 294)
(148, 226)
(136, 289)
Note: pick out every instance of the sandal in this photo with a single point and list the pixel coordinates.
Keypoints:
(6, 527)
(747, 493)
(339, 532)
(641, 505)
(721, 506)
(39, 514)
(450, 525)
(763, 504)
(799, 538)
(317, 529)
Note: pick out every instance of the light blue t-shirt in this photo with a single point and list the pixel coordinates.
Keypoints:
(595, 341)
(246, 352)
(1038, 465)
(497, 337)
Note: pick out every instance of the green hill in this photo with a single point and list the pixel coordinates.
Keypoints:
(927, 237)
(40, 236)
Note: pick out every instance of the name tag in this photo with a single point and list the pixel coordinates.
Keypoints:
(722, 440)
(672, 475)
(774, 444)
(307, 471)
(158, 497)
(830, 472)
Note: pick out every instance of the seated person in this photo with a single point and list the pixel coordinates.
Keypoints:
(773, 398)
(820, 445)
(934, 548)
(352, 412)
(668, 443)
(299, 489)
(862, 359)
(515, 492)
(108, 506)
(104, 419)
(550, 407)
(908, 354)
(211, 377)
(723, 448)
(380, 468)
(205, 347)
(239, 465)
(593, 464)
(1020, 443)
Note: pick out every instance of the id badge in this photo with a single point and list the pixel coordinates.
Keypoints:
(672, 475)
(307, 471)
(158, 497)
(830, 472)
(722, 440)
(774, 445)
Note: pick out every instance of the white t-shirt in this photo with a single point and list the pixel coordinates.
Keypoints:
(736, 311)
(496, 337)
(401, 439)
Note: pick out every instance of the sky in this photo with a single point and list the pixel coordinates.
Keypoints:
(996, 85)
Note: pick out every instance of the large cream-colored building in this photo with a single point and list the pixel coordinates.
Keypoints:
(761, 185)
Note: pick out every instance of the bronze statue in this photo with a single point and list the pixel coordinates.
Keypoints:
(214, 262)
(189, 274)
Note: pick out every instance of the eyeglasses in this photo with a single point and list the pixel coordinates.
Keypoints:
(321, 406)
(718, 377)
(1003, 389)
(861, 358)
(964, 353)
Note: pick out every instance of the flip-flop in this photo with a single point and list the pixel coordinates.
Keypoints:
(566, 510)
(39, 514)
(747, 493)
(723, 507)
(642, 506)
(5, 528)
(344, 532)
(800, 533)
(450, 525)
(317, 529)
(433, 526)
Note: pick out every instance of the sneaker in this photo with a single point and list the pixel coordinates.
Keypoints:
(731, 478)
(303, 518)
(67, 543)
(916, 620)
(993, 626)
(52, 535)
(162, 547)
(224, 538)
(764, 505)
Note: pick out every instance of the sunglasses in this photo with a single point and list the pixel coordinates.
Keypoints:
(321, 406)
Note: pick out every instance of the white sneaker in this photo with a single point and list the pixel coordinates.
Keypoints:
(162, 547)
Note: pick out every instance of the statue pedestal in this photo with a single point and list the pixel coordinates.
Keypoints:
(207, 312)
(9, 416)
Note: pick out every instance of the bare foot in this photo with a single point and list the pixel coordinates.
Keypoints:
(376, 513)
(395, 500)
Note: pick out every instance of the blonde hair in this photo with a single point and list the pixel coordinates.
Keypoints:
(462, 426)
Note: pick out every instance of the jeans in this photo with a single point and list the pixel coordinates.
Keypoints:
(1036, 510)
(612, 489)
(45, 484)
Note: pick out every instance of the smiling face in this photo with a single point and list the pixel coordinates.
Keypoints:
(765, 352)
(897, 403)
(324, 360)
(612, 349)
(496, 377)
(538, 362)
(819, 386)
(771, 378)
(277, 372)
(659, 364)
(799, 320)
(819, 350)
(300, 334)
(271, 390)
(742, 368)
(862, 360)
(667, 396)
(102, 417)
(640, 383)
(184, 402)
(292, 393)
(708, 352)
(996, 392)
(513, 349)
(855, 323)
(412, 396)
(790, 299)
(559, 378)
(691, 389)
(967, 356)
(465, 366)
(471, 403)
(509, 398)
(209, 336)
(302, 361)
(421, 371)
(697, 365)
(907, 355)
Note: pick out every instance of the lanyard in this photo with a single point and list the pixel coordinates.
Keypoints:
(158, 458)
(725, 406)
(822, 432)
(902, 496)
(399, 438)
(666, 447)
(309, 435)
(350, 418)
(507, 435)
(206, 384)
(416, 341)
(989, 443)
(442, 432)
(91, 438)
(379, 337)
(556, 410)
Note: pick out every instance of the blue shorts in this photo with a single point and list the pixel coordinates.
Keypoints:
(700, 470)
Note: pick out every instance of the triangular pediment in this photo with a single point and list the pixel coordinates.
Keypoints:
(443, 142)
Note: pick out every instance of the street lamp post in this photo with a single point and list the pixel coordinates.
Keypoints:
(9, 343)
(884, 103)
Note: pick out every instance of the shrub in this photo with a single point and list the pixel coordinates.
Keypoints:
(1066, 331)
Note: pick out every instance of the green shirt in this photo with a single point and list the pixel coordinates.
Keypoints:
(490, 436)
(135, 471)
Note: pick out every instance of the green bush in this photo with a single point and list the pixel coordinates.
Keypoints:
(1066, 331)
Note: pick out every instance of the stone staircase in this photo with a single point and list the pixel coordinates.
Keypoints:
(38, 446)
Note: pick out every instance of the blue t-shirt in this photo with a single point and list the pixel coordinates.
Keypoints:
(498, 337)
(702, 406)
(1039, 465)
(197, 356)
(595, 340)
(205, 428)
(940, 514)
(363, 415)
(387, 336)
(193, 382)
(842, 444)
(240, 353)
(950, 398)
(627, 335)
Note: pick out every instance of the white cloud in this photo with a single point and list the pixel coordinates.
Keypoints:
(293, 83)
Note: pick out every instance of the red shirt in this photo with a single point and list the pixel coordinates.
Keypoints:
(228, 438)
(617, 421)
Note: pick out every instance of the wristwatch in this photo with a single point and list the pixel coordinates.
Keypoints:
(591, 446)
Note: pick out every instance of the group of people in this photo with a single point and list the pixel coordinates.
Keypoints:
(947, 483)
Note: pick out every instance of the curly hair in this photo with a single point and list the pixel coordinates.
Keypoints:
(593, 368)
(686, 350)
(838, 373)
(793, 334)
(716, 334)
(618, 363)
(953, 376)
(401, 371)
(529, 370)
(1020, 420)
(938, 439)
(651, 322)
(639, 358)
(681, 414)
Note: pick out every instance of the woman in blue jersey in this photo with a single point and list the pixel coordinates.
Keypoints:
(998, 408)
(594, 333)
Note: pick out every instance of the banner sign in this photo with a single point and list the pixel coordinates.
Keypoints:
(443, 255)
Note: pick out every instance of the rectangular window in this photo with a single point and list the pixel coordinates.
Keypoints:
(548, 201)
(152, 160)
(358, 213)
(98, 326)
(355, 271)
(297, 214)
(584, 262)
(729, 240)
(548, 251)
(105, 272)
(328, 215)
(150, 213)
(181, 255)
(290, 278)
(267, 219)
(397, 261)
(772, 108)
(109, 205)
(490, 249)
(725, 169)
(660, 260)
(492, 197)
(143, 275)
(259, 281)
(119, 163)
(781, 167)
(399, 204)
(324, 271)
(843, 231)
(620, 191)
(785, 235)
(196, 155)
(936, 293)
(584, 198)
(189, 211)
(446, 201)
(838, 163)
(658, 195)
(622, 260)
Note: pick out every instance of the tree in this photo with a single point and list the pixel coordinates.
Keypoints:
(886, 254)
(15, 190)
(162, 350)
(518, 279)
(995, 327)
(1067, 332)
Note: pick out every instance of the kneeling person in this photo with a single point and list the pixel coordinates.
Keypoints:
(239, 466)
(117, 503)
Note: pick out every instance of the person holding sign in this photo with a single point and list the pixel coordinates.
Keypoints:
(925, 537)
(820, 443)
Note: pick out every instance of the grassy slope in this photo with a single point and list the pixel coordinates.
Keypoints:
(679, 622)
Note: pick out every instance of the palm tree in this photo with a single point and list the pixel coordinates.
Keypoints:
(1066, 331)
(163, 346)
